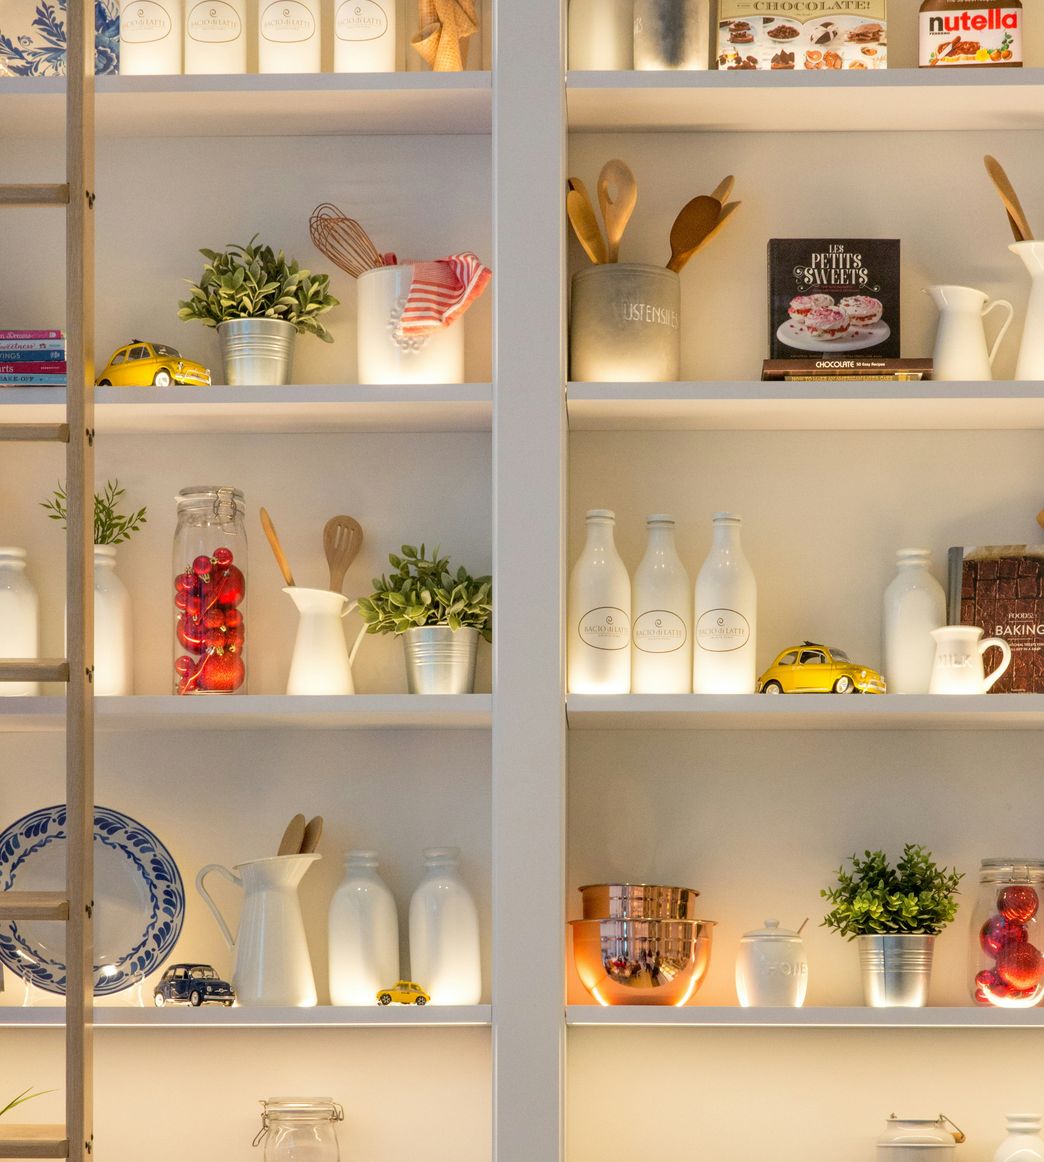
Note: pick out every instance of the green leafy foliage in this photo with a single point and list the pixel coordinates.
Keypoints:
(875, 899)
(25, 1095)
(423, 591)
(110, 527)
(253, 282)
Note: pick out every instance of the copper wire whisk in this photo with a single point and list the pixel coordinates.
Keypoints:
(343, 240)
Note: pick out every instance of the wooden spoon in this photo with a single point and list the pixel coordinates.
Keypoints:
(277, 548)
(616, 210)
(294, 834)
(696, 219)
(1016, 215)
(342, 540)
(312, 834)
(585, 226)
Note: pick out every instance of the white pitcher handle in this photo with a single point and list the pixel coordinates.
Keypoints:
(1005, 650)
(229, 875)
(353, 604)
(1004, 330)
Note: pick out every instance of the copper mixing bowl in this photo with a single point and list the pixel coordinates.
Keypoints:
(642, 962)
(638, 902)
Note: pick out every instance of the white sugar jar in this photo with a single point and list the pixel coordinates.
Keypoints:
(771, 969)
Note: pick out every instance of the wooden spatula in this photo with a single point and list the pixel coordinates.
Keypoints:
(585, 224)
(342, 540)
(290, 844)
(1020, 227)
(617, 197)
(726, 213)
(312, 834)
(724, 190)
(277, 548)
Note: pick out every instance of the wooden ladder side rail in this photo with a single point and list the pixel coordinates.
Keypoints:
(79, 476)
(33, 1142)
(33, 906)
(34, 670)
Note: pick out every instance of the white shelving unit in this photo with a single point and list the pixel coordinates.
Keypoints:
(755, 800)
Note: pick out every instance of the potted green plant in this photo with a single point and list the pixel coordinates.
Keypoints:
(439, 614)
(113, 623)
(895, 913)
(259, 302)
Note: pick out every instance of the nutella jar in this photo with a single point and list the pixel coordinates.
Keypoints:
(967, 33)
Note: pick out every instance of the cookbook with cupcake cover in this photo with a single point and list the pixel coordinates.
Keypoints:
(833, 296)
(802, 34)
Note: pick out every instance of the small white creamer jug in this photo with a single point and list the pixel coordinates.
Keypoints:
(958, 666)
(321, 661)
(272, 965)
(960, 339)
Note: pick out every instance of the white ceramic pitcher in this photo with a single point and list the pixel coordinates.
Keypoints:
(321, 662)
(958, 666)
(272, 966)
(1031, 351)
(960, 338)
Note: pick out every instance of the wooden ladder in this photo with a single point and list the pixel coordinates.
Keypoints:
(74, 906)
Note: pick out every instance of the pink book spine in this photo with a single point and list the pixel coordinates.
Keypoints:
(54, 367)
(31, 335)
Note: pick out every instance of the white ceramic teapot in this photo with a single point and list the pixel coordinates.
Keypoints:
(960, 339)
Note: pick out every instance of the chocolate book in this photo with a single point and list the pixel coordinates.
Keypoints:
(1000, 588)
(830, 297)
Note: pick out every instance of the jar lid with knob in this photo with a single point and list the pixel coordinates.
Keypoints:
(299, 1129)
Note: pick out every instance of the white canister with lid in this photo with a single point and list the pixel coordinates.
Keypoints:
(771, 969)
(919, 1140)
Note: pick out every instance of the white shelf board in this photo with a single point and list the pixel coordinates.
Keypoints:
(805, 712)
(259, 712)
(778, 101)
(253, 105)
(777, 406)
(217, 1017)
(316, 408)
(725, 1017)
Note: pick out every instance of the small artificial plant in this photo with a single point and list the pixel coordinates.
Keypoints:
(875, 899)
(254, 282)
(110, 527)
(425, 592)
(25, 1095)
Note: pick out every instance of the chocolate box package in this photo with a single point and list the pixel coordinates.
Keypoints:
(834, 297)
(1000, 588)
(815, 34)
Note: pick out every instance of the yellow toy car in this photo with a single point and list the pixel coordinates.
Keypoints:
(141, 364)
(816, 669)
(405, 992)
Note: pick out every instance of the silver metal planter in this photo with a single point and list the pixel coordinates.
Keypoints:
(257, 352)
(895, 970)
(440, 660)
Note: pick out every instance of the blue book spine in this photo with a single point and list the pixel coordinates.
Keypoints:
(30, 380)
(32, 356)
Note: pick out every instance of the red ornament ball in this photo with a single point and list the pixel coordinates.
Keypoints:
(1018, 902)
(222, 557)
(1020, 965)
(184, 582)
(222, 673)
(233, 619)
(232, 587)
(998, 932)
(201, 566)
(184, 665)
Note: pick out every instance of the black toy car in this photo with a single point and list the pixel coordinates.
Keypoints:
(192, 984)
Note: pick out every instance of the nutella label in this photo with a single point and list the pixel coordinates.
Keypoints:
(969, 33)
(802, 34)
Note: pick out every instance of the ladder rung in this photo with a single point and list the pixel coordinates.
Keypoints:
(33, 906)
(33, 1142)
(35, 433)
(34, 670)
(38, 195)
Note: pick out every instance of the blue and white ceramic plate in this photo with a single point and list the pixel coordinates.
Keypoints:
(138, 893)
(32, 37)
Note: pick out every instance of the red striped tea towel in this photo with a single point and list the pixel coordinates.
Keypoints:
(441, 292)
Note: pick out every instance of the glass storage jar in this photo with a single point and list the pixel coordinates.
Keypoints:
(210, 560)
(300, 1129)
(1007, 964)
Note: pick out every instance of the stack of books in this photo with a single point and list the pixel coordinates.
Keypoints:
(32, 358)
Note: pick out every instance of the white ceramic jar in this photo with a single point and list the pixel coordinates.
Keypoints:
(215, 37)
(771, 968)
(364, 934)
(914, 605)
(289, 36)
(19, 619)
(601, 34)
(598, 641)
(113, 627)
(444, 933)
(919, 1140)
(1023, 1143)
(364, 36)
(150, 37)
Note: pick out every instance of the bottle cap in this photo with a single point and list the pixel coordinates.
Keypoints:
(601, 514)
